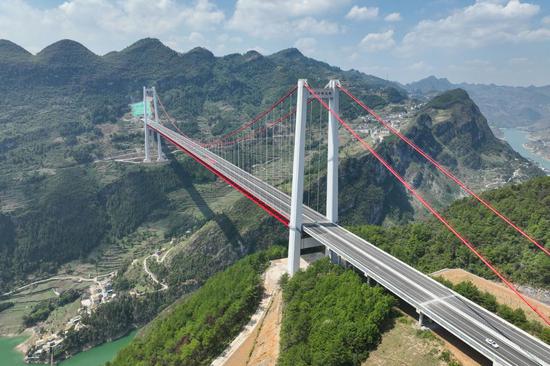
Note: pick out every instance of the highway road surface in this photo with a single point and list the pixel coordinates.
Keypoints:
(461, 317)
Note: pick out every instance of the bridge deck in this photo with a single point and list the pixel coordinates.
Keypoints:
(466, 320)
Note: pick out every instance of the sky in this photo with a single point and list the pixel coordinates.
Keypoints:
(505, 42)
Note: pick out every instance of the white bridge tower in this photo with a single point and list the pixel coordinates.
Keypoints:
(150, 98)
(296, 237)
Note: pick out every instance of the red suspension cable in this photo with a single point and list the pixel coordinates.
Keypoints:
(444, 171)
(267, 125)
(170, 118)
(254, 120)
(432, 210)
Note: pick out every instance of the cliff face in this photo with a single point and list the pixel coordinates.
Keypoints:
(452, 130)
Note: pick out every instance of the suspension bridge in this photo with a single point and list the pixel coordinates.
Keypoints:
(286, 161)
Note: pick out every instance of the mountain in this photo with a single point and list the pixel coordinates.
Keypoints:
(431, 84)
(227, 299)
(66, 52)
(452, 130)
(10, 52)
(504, 106)
(62, 110)
(62, 107)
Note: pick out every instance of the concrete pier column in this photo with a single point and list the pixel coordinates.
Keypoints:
(420, 319)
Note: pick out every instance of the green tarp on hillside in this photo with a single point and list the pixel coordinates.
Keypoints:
(137, 109)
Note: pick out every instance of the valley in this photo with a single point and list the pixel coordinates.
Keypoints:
(77, 203)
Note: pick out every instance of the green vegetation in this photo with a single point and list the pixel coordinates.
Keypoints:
(75, 214)
(429, 246)
(489, 302)
(6, 305)
(404, 344)
(116, 319)
(448, 98)
(42, 310)
(330, 317)
(59, 205)
(198, 329)
(62, 112)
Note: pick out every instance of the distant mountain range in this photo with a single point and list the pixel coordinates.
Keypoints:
(504, 106)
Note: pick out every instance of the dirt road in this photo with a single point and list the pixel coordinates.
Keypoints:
(258, 342)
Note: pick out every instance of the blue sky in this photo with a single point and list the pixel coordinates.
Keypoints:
(485, 41)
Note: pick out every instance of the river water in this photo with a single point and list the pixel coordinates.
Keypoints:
(94, 357)
(516, 138)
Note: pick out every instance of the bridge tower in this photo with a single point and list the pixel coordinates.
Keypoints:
(150, 95)
(296, 238)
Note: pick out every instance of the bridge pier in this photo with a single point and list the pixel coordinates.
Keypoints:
(297, 197)
(420, 319)
(368, 279)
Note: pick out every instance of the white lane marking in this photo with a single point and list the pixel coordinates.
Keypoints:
(439, 299)
(495, 318)
(453, 309)
(443, 302)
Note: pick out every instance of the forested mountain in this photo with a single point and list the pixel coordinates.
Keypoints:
(429, 246)
(198, 329)
(63, 200)
(452, 130)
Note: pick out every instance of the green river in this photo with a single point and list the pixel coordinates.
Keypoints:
(516, 138)
(94, 357)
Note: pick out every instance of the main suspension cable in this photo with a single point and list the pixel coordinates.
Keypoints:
(432, 210)
(252, 122)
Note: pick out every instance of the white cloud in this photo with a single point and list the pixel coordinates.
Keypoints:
(393, 17)
(477, 62)
(306, 45)
(477, 25)
(362, 13)
(314, 26)
(95, 21)
(518, 61)
(291, 8)
(533, 35)
(420, 66)
(196, 38)
(281, 18)
(378, 41)
(546, 20)
(202, 14)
